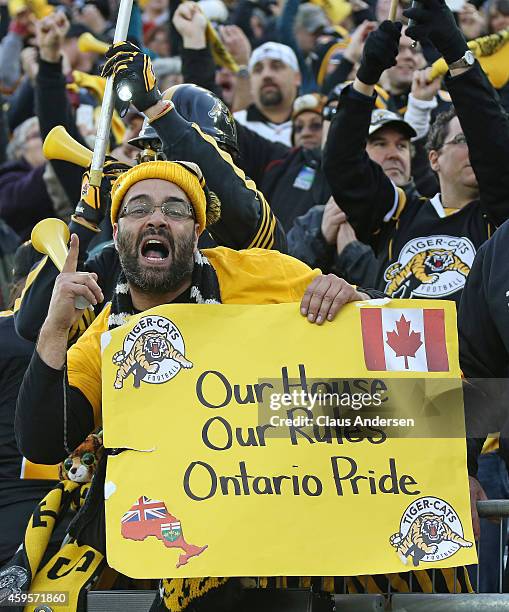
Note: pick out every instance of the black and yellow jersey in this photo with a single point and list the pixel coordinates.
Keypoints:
(423, 250)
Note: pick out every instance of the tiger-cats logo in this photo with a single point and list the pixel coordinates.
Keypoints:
(153, 352)
(430, 530)
(430, 267)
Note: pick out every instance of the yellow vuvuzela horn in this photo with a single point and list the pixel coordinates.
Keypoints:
(58, 144)
(89, 43)
(50, 237)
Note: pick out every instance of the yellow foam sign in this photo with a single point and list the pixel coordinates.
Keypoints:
(259, 444)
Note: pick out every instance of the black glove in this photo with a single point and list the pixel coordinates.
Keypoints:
(95, 201)
(127, 63)
(380, 51)
(434, 20)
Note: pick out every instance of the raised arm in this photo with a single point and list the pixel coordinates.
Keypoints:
(366, 194)
(197, 63)
(246, 219)
(52, 105)
(484, 123)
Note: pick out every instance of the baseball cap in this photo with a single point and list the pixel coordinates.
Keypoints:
(381, 117)
(276, 51)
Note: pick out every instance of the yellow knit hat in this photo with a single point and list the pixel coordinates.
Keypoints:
(186, 175)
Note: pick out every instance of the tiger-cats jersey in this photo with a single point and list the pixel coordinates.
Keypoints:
(422, 251)
(253, 276)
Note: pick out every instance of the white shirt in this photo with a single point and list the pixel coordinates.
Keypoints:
(276, 132)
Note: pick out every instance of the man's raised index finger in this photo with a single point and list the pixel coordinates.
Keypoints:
(71, 262)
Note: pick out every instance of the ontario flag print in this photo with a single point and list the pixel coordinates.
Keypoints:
(150, 517)
(407, 339)
(144, 518)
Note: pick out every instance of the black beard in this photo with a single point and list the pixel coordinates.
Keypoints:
(156, 281)
(274, 97)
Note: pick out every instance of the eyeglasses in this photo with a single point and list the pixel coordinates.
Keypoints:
(179, 210)
(459, 139)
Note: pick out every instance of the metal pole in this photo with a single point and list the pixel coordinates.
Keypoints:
(104, 126)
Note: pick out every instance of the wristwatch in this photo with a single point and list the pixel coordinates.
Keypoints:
(464, 62)
(243, 72)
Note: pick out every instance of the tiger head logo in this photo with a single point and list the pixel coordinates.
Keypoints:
(438, 260)
(151, 355)
(430, 272)
(153, 346)
(430, 535)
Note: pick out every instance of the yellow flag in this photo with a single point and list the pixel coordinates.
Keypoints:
(221, 55)
(259, 444)
(493, 54)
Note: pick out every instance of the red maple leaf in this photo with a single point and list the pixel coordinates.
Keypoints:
(404, 342)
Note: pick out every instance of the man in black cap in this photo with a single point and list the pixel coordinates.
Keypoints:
(323, 237)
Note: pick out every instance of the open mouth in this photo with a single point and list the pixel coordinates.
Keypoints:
(155, 250)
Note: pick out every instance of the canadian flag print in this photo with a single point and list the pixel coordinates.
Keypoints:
(404, 340)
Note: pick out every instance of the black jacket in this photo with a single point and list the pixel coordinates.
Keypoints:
(356, 263)
(53, 108)
(422, 252)
(484, 311)
(484, 344)
(291, 179)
